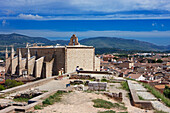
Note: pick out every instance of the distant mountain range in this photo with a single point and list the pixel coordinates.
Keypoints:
(19, 40)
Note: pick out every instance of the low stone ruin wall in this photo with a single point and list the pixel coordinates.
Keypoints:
(31, 103)
(25, 86)
(30, 85)
(135, 99)
(95, 72)
(97, 86)
(115, 96)
(76, 76)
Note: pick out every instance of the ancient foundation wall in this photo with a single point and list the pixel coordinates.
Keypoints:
(135, 99)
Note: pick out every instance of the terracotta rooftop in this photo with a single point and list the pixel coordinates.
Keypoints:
(134, 76)
(161, 86)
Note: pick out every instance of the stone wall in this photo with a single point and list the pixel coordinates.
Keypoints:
(97, 64)
(38, 67)
(79, 56)
(135, 99)
(31, 63)
(48, 69)
(57, 53)
(66, 57)
(14, 65)
(23, 63)
(97, 86)
(7, 65)
(59, 60)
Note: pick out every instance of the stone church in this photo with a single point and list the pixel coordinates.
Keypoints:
(46, 61)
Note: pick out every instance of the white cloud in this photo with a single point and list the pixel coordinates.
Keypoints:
(91, 17)
(82, 6)
(29, 16)
(31, 9)
(121, 5)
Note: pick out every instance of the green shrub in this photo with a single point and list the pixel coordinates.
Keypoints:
(122, 112)
(12, 83)
(104, 80)
(100, 103)
(53, 98)
(167, 91)
(21, 99)
(36, 107)
(110, 111)
(159, 61)
(117, 105)
(2, 87)
(159, 111)
(141, 98)
(48, 101)
(157, 94)
(125, 86)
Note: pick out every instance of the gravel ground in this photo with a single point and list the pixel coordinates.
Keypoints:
(77, 102)
(54, 85)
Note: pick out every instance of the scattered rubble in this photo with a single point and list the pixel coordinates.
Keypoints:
(86, 77)
(76, 82)
(115, 96)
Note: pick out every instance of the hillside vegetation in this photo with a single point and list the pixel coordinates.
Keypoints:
(110, 43)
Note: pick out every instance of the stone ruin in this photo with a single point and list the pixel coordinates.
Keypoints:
(97, 86)
(79, 87)
(115, 96)
(29, 94)
(8, 101)
(76, 82)
(86, 77)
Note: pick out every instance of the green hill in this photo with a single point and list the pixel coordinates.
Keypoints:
(98, 42)
(119, 43)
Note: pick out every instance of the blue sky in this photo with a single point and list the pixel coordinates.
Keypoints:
(147, 20)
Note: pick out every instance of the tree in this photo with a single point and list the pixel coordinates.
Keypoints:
(159, 61)
(167, 91)
(2, 87)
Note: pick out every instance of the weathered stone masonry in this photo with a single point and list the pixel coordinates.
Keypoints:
(45, 61)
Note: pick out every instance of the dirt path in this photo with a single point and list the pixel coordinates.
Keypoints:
(77, 102)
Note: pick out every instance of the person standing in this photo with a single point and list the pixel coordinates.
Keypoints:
(77, 69)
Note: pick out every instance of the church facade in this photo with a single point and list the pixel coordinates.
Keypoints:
(46, 61)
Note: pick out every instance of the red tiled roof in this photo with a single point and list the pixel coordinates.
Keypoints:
(134, 76)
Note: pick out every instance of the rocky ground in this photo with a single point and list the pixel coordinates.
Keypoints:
(81, 102)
